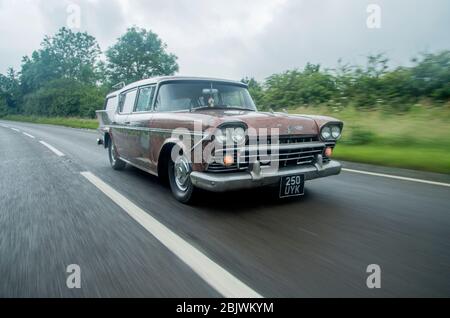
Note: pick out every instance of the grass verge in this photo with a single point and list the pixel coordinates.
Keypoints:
(60, 121)
(411, 157)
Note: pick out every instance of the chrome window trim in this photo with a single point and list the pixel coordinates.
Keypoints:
(119, 110)
(151, 102)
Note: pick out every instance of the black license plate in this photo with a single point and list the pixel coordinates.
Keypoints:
(292, 186)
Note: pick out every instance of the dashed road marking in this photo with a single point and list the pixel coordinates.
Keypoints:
(56, 151)
(28, 135)
(15, 129)
(215, 275)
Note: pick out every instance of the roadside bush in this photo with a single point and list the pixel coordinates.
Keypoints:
(64, 98)
(368, 87)
(360, 136)
(295, 87)
(3, 107)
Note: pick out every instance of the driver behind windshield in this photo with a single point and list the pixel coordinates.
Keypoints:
(179, 96)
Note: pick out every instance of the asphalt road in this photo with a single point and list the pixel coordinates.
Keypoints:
(316, 246)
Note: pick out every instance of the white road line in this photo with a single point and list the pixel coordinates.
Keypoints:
(215, 275)
(397, 177)
(15, 129)
(28, 135)
(56, 151)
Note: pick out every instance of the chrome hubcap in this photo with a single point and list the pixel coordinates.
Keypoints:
(113, 153)
(181, 172)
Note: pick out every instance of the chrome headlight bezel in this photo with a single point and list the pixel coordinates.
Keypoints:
(331, 132)
(232, 134)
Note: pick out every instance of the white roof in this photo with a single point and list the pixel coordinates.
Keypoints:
(159, 79)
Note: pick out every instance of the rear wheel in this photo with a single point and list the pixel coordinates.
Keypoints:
(114, 160)
(179, 172)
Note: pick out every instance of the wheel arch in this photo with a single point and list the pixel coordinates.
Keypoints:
(106, 139)
(164, 157)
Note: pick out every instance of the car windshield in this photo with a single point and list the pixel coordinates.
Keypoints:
(202, 95)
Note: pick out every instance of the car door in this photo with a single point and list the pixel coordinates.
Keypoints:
(139, 123)
(121, 131)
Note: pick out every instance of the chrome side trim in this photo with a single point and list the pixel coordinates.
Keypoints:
(156, 130)
(138, 167)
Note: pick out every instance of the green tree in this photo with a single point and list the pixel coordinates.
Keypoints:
(56, 79)
(430, 76)
(10, 95)
(295, 88)
(66, 55)
(366, 86)
(139, 54)
(397, 91)
(255, 89)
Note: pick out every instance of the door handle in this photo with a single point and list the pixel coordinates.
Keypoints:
(127, 122)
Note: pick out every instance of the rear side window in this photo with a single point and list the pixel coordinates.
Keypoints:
(111, 104)
(127, 101)
(145, 98)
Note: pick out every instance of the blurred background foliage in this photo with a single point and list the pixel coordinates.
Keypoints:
(396, 116)
(369, 87)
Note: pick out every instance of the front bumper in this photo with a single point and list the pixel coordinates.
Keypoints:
(258, 176)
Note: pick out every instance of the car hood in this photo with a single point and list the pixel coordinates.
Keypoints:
(288, 124)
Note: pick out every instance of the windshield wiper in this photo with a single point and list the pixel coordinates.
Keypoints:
(209, 107)
(220, 107)
(240, 108)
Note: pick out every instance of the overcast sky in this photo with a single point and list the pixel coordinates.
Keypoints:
(233, 38)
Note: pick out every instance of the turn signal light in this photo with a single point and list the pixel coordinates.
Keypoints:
(228, 160)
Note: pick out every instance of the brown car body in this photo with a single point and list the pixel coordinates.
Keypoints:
(144, 138)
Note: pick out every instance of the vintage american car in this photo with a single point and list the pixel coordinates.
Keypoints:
(207, 133)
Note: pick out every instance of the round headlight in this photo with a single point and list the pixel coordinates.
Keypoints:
(221, 137)
(326, 133)
(238, 135)
(335, 132)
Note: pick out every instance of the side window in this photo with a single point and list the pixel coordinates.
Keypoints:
(127, 101)
(111, 104)
(144, 102)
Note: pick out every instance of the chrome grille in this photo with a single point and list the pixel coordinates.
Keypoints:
(286, 139)
(302, 154)
(292, 151)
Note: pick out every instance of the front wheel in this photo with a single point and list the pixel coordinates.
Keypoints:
(114, 160)
(179, 178)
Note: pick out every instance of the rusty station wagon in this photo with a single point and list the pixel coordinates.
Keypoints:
(207, 133)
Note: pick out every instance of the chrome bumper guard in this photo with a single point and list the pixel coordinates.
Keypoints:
(260, 176)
